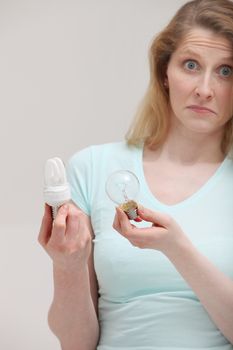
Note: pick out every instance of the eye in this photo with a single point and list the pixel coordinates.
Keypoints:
(190, 65)
(226, 71)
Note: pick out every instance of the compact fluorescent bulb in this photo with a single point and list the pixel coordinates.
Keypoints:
(56, 186)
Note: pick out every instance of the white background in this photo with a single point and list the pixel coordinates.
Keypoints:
(71, 74)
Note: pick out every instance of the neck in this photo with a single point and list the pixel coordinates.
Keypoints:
(186, 147)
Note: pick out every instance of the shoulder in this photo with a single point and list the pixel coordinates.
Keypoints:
(94, 152)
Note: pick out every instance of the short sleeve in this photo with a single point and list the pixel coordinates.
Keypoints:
(79, 177)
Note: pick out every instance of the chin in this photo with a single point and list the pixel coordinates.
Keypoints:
(201, 127)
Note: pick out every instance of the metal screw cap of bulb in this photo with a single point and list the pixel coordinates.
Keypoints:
(56, 187)
(122, 188)
(131, 209)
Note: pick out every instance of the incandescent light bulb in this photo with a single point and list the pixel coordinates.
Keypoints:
(56, 186)
(122, 188)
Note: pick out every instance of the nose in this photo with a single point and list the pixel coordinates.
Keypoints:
(204, 88)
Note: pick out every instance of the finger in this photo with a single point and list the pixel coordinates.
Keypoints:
(124, 223)
(72, 222)
(116, 223)
(157, 218)
(59, 224)
(138, 219)
(46, 226)
(77, 223)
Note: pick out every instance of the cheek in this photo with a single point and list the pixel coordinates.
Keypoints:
(179, 87)
(225, 99)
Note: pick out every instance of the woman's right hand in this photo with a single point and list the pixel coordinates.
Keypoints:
(67, 239)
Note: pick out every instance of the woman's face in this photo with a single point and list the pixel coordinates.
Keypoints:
(200, 82)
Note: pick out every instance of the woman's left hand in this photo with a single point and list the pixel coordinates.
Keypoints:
(164, 234)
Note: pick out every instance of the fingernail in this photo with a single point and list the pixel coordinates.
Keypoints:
(138, 219)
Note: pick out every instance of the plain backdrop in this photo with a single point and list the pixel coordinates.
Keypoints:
(72, 73)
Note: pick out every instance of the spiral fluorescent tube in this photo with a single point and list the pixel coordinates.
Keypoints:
(56, 187)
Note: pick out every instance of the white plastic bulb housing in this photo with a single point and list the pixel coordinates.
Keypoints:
(122, 186)
(56, 186)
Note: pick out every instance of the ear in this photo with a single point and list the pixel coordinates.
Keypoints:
(165, 83)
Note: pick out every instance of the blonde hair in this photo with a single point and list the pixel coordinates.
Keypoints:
(151, 121)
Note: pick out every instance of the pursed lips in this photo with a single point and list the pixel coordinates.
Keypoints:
(201, 109)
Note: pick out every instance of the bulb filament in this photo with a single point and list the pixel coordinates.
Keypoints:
(122, 187)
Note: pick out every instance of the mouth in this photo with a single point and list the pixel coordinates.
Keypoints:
(200, 109)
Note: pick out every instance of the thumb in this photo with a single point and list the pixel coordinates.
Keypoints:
(157, 218)
(46, 226)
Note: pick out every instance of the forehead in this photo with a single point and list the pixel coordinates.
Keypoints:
(203, 40)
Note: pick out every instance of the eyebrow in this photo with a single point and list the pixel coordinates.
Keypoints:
(193, 53)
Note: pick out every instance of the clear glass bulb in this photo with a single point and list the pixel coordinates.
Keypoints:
(122, 188)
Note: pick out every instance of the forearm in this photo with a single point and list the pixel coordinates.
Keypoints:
(72, 316)
(213, 288)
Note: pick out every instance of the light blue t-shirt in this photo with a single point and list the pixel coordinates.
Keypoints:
(144, 303)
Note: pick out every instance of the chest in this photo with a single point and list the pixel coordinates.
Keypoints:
(172, 184)
(125, 271)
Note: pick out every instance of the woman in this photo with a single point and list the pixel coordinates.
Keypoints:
(166, 283)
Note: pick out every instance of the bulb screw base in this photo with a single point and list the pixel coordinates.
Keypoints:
(54, 211)
(132, 214)
(131, 210)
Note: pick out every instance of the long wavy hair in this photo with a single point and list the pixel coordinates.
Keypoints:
(151, 121)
